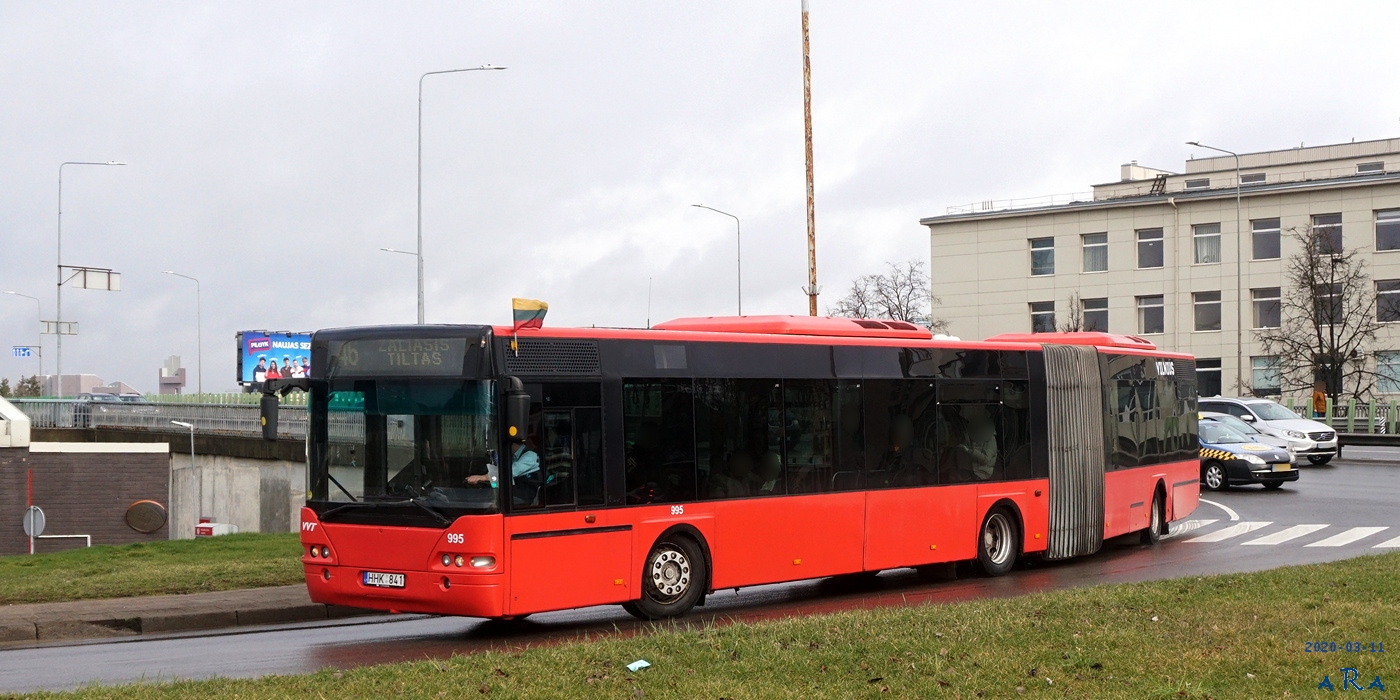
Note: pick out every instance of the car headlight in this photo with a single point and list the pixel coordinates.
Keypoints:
(1252, 459)
(1295, 434)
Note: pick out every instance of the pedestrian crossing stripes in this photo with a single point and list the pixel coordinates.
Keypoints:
(1233, 531)
(1344, 538)
(1290, 533)
(1287, 534)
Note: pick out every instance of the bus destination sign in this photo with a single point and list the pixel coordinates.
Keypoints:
(398, 357)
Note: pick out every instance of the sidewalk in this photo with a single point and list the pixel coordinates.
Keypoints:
(115, 617)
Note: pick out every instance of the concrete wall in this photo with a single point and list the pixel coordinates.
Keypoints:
(84, 489)
(257, 495)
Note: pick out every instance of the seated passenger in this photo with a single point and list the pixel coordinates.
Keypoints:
(904, 464)
(976, 451)
(770, 474)
(736, 481)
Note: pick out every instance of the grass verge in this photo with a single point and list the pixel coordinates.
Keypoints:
(1231, 636)
(248, 560)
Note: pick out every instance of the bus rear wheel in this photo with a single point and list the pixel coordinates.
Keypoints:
(998, 543)
(673, 580)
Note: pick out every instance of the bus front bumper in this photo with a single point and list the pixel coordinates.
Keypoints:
(440, 593)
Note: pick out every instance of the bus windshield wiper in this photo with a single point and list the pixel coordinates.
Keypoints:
(375, 504)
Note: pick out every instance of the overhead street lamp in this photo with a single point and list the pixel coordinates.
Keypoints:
(190, 427)
(59, 326)
(738, 254)
(39, 307)
(198, 326)
(419, 253)
(1239, 269)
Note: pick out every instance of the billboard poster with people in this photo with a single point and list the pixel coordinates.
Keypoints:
(277, 355)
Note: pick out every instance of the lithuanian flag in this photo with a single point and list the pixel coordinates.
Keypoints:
(528, 313)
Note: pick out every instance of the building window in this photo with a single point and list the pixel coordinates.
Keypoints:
(1151, 315)
(1095, 252)
(1388, 372)
(1207, 239)
(1095, 314)
(1198, 183)
(1042, 256)
(1388, 301)
(1266, 378)
(1207, 310)
(1252, 179)
(1149, 242)
(1328, 303)
(1267, 309)
(1266, 239)
(1042, 317)
(1328, 228)
(1388, 229)
(1208, 376)
(1372, 167)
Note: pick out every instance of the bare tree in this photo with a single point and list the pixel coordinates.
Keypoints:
(1327, 318)
(1074, 322)
(901, 294)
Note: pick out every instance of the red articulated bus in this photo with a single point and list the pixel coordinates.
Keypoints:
(464, 470)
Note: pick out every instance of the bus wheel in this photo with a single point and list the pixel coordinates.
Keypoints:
(1153, 533)
(998, 543)
(673, 580)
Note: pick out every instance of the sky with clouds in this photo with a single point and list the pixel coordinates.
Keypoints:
(272, 147)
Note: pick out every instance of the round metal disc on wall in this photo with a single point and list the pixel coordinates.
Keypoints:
(145, 516)
(34, 521)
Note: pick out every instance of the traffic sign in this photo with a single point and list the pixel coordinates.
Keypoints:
(22, 351)
(57, 328)
(34, 521)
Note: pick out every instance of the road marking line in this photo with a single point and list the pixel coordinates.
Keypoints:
(1233, 531)
(1180, 528)
(1347, 537)
(1233, 515)
(1388, 543)
(1287, 534)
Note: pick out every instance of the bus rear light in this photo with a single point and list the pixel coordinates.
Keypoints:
(314, 552)
(447, 560)
(483, 562)
(325, 552)
(460, 560)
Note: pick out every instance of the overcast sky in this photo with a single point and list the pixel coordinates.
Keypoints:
(272, 147)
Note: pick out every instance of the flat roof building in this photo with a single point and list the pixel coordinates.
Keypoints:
(1157, 254)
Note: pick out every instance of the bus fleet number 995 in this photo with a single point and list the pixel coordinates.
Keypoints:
(456, 538)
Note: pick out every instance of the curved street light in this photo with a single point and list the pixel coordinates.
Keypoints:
(198, 327)
(738, 254)
(39, 307)
(1239, 269)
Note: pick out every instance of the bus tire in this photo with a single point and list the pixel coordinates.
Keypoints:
(998, 542)
(1152, 534)
(673, 579)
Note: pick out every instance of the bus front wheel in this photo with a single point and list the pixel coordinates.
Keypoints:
(998, 542)
(673, 579)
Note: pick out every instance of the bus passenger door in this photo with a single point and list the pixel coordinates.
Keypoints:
(564, 551)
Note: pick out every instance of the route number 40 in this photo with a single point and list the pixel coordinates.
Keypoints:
(677, 510)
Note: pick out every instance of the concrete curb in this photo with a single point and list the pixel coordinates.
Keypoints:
(204, 611)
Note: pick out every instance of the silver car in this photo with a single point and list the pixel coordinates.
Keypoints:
(1272, 418)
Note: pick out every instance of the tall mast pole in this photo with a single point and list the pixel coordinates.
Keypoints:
(811, 188)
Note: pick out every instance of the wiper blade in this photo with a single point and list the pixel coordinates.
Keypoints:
(349, 506)
(431, 510)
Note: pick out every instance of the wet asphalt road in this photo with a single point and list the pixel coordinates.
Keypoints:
(1349, 499)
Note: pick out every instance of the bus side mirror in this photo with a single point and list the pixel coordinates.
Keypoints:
(517, 410)
(267, 416)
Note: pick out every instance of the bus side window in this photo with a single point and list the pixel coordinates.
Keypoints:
(849, 472)
(659, 430)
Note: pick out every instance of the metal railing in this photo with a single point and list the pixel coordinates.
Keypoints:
(1350, 416)
(209, 419)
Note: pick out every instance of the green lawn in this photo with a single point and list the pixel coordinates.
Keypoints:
(247, 560)
(1235, 636)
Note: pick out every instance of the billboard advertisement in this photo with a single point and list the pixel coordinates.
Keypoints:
(264, 355)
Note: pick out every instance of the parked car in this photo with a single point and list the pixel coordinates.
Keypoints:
(1269, 417)
(1295, 446)
(87, 403)
(140, 405)
(1229, 458)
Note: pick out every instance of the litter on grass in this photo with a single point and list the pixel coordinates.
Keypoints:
(637, 665)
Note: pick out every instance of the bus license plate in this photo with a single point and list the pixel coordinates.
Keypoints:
(383, 580)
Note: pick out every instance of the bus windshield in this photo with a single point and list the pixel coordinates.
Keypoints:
(401, 442)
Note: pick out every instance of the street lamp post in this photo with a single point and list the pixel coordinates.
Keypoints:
(39, 308)
(190, 427)
(1239, 269)
(738, 254)
(198, 327)
(59, 325)
(487, 66)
